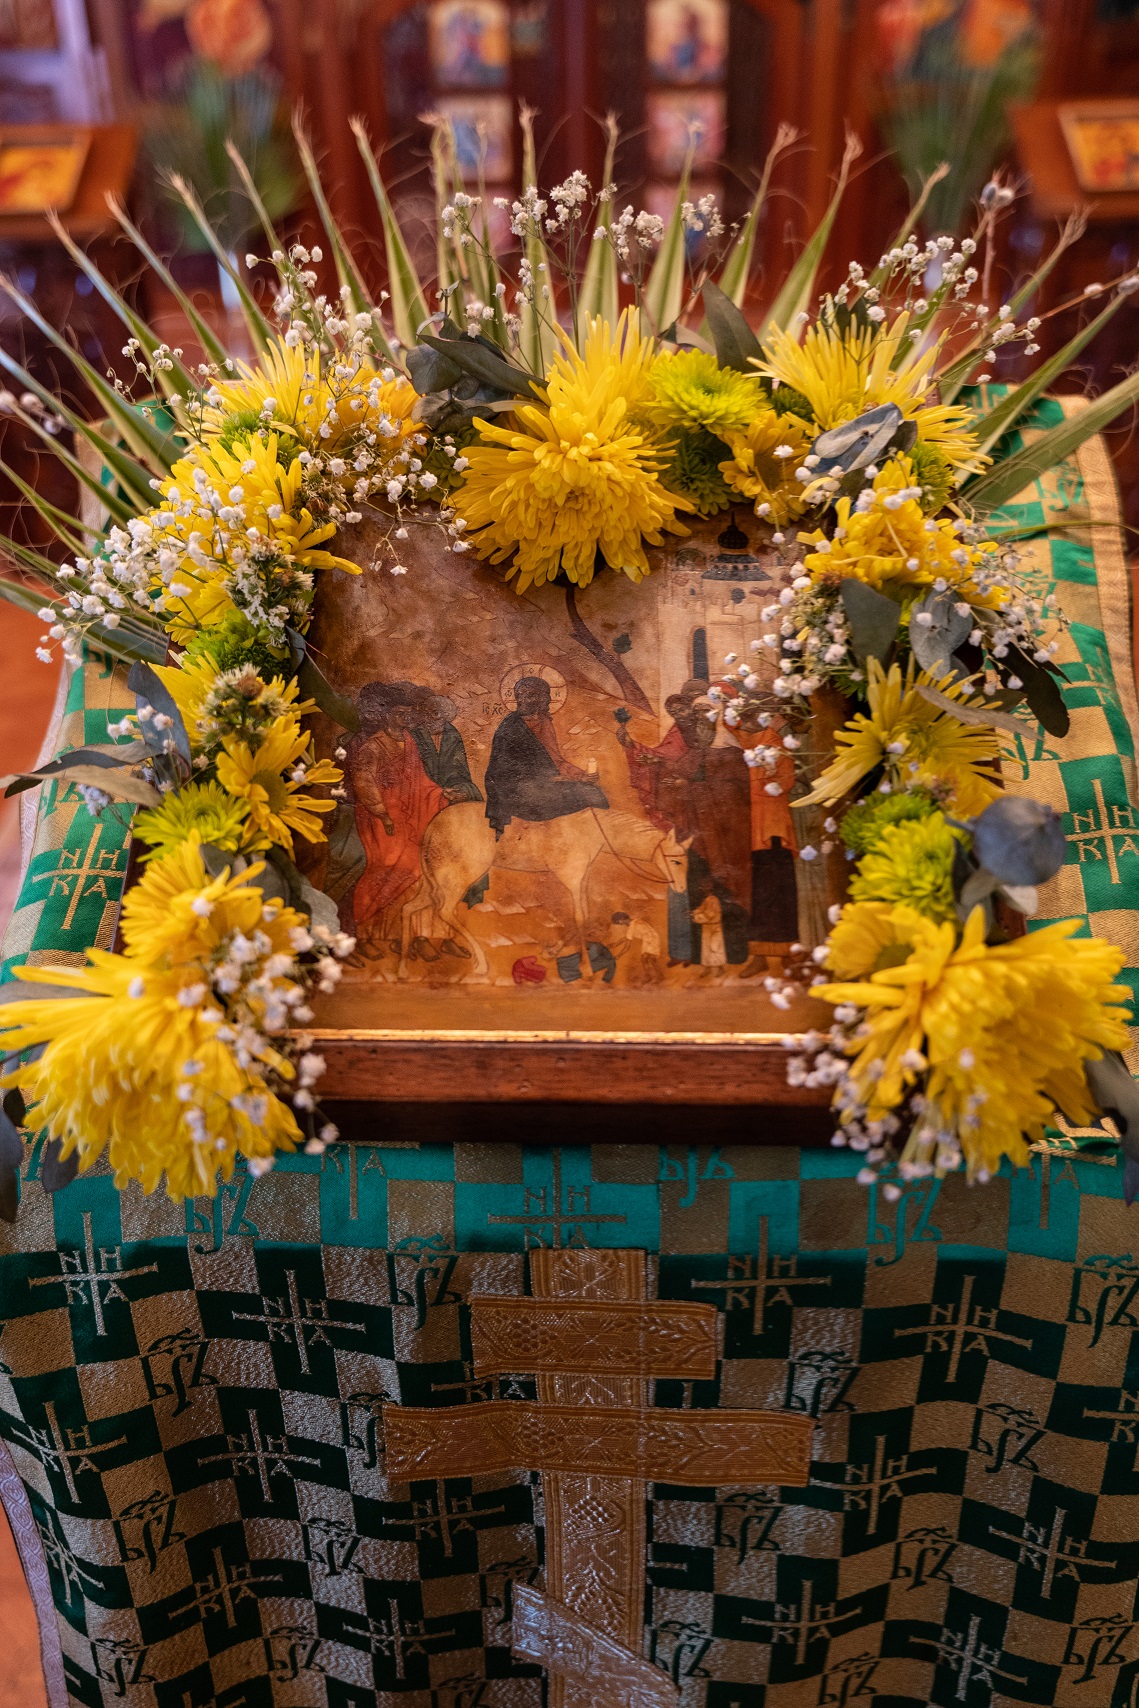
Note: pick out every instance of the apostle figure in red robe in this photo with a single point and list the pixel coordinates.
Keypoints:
(396, 793)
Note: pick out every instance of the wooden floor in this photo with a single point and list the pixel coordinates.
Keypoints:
(21, 1677)
(27, 691)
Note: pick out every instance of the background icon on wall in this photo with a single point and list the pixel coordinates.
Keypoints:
(687, 40)
(470, 44)
(483, 133)
(673, 114)
(1103, 140)
(41, 170)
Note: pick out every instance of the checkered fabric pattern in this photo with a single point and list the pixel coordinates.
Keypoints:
(191, 1437)
(192, 1399)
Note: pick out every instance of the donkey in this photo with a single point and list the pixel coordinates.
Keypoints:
(459, 847)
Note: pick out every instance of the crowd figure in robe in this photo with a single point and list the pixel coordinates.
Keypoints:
(406, 765)
(702, 790)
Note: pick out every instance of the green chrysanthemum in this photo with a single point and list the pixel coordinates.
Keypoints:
(691, 390)
(933, 473)
(785, 400)
(218, 818)
(695, 472)
(912, 865)
(232, 643)
(863, 826)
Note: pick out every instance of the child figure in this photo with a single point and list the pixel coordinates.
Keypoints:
(639, 939)
(709, 917)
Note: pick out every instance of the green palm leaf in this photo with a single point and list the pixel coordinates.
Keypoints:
(599, 293)
(256, 324)
(408, 300)
(1004, 414)
(177, 381)
(999, 485)
(799, 287)
(664, 288)
(538, 339)
(132, 476)
(148, 442)
(215, 350)
(733, 280)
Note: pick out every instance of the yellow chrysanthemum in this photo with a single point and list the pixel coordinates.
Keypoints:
(292, 392)
(919, 744)
(871, 935)
(1005, 1032)
(892, 543)
(134, 1064)
(272, 777)
(763, 462)
(207, 546)
(689, 390)
(843, 374)
(576, 478)
(617, 363)
(201, 807)
(912, 865)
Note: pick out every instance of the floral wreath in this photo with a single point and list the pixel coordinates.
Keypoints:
(531, 419)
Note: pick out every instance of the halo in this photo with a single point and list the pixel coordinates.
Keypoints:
(548, 674)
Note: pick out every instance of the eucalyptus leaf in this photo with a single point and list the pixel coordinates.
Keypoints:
(1117, 1095)
(217, 860)
(736, 343)
(128, 755)
(1020, 841)
(490, 369)
(273, 885)
(321, 908)
(120, 785)
(148, 688)
(314, 685)
(934, 640)
(682, 337)
(977, 888)
(303, 895)
(1042, 691)
(855, 444)
(19, 785)
(56, 1172)
(11, 1159)
(1024, 897)
(430, 370)
(980, 717)
(873, 619)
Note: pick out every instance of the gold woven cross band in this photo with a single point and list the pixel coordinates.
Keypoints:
(594, 1340)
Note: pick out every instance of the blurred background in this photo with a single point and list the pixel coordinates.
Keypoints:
(111, 96)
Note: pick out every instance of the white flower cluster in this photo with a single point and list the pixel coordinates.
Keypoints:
(929, 279)
(633, 235)
(252, 994)
(702, 217)
(811, 641)
(929, 1146)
